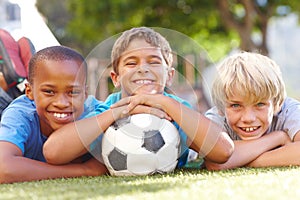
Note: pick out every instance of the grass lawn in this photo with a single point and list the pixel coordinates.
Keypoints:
(242, 183)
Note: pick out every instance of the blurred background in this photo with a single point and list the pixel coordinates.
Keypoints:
(215, 28)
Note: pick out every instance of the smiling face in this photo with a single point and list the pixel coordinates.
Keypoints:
(59, 92)
(248, 120)
(142, 69)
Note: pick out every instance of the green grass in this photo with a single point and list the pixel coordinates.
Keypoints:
(242, 183)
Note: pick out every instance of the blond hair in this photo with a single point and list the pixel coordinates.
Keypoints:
(252, 75)
(149, 35)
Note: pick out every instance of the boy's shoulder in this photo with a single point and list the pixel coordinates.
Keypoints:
(22, 103)
(289, 101)
(20, 109)
(289, 105)
(113, 98)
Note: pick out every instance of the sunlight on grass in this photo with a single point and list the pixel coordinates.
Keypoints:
(244, 183)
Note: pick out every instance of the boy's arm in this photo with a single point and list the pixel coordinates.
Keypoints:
(207, 137)
(246, 151)
(16, 168)
(286, 155)
(74, 139)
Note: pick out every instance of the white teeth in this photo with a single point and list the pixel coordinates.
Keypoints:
(143, 81)
(249, 129)
(60, 115)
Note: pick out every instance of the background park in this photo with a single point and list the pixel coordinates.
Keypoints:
(212, 29)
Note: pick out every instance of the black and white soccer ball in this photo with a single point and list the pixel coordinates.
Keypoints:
(141, 144)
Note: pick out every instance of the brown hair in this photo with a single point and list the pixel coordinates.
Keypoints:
(150, 36)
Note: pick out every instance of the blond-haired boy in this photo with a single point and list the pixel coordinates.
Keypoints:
(251, 104)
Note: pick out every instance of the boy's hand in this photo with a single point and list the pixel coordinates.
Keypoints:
(141, 104)
(152, 100)
(93, 167)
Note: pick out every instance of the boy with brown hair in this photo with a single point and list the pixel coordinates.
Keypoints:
(142, 67)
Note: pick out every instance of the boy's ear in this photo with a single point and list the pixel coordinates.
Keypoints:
(115, 79)
(170, 76)
(86, 91)
(29, 91)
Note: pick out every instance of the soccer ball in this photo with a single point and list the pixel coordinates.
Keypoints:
(140, 144)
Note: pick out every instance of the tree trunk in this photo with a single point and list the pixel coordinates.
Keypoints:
(246, 24)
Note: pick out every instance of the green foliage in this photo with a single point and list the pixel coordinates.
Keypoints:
(57, 18)
(89, 22)
(242, 183)
(96, 20)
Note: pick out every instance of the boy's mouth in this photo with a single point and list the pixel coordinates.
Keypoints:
(64, 115)
(143, 82)
(250, 129)
(61, 115)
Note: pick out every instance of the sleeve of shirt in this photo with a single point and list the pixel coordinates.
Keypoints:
(290, 117)
(213, 115)
(15, 127)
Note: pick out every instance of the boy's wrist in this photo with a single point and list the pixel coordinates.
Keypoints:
(117, 113)
(283, 137)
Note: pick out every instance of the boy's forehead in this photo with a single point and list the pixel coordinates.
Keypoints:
(139, 44)
(60, 67)
(245, 97)
(141, 52)
(139, 48)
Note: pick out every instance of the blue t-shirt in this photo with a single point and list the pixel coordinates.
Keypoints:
(95, 148)
(20, 125)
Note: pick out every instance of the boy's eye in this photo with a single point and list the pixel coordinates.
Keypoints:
(235, 105)
(75, 92)
(47, 91)
(155, 62)
(260, 104)
(132, 63)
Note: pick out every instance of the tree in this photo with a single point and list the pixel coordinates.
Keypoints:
(213, 23)
(217, 25)
(96, 20)
(57, 18)
(250, 17)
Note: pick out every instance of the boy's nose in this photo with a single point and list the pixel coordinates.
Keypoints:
(143, 68)
(248, 115)
(62, 101)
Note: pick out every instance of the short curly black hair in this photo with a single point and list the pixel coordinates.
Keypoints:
(55, 53)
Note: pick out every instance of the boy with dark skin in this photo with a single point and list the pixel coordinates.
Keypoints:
(55, 95)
